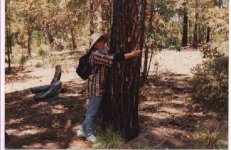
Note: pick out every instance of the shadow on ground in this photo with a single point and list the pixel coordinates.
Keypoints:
(51, 123)
(167, 115)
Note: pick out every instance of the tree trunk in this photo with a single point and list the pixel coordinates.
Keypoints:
(145, 65)
(8, 47)
(208, 35)
(185, 29)
(49, 35)
(150, 32)
(91, 17)
(8, 36)
(74, 45)
(220, 3)
(29, 40)
(215, 3)
(150, 61)
(200, 34)
(195, 33)
(120, 102)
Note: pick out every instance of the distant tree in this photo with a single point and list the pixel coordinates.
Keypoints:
(195, 33)
(185, 25)
(8, 35)
(148, 37)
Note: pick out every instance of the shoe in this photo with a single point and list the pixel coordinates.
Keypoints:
(81, 133)
(91, 138)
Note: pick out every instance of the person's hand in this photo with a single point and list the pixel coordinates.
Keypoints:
(136, 52)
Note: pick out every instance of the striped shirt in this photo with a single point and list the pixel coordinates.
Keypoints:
(101, 60)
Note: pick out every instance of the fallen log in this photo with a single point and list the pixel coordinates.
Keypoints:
(54, 89)
(48, 91)
(39, 89)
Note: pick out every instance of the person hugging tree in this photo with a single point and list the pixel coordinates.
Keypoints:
(101, 61)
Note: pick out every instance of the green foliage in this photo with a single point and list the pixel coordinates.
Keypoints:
(42, 53)
(210, 81)
(23, 60)
(108, 139)
(43, 50)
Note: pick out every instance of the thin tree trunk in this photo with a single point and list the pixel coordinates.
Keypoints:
(149, 32)
(8, 41)
(185, 29)
(49, 35)
(220, 3)
(8, 36)
(195, 33)
(74, 45)
(120, 102)
(208, 35)
(145, 65)
(29, 31)
(110, 14)
(199, 34)
(91, 17)
(150, 62)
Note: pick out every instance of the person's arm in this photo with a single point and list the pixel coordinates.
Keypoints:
(110, 59)
(132, 54)
(103, 59)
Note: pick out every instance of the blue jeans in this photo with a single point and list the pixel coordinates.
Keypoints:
(88, 124)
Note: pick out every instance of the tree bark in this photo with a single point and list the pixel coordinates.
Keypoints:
(185, 29)
(120, 102)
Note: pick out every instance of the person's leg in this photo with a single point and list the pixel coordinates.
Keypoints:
(94, 103)
(83, 126)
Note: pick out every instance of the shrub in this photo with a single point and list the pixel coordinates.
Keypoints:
(210, 138)
(43, 50)
(210, 81)
(108, 139)
(23, 60)
(38, 65)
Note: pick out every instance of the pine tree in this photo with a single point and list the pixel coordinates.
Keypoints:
(120, 102)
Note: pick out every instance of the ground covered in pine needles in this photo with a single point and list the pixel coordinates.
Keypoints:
(168, 116)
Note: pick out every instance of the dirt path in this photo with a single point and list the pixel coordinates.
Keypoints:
(168, 116)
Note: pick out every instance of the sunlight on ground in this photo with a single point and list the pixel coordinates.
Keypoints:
(15, 121)
(58, 109)
(177, 62)
(26, 130)
(39, 145)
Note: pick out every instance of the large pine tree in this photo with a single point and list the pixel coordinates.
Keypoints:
(120, 102)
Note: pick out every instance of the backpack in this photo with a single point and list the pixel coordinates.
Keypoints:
(84, 68)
